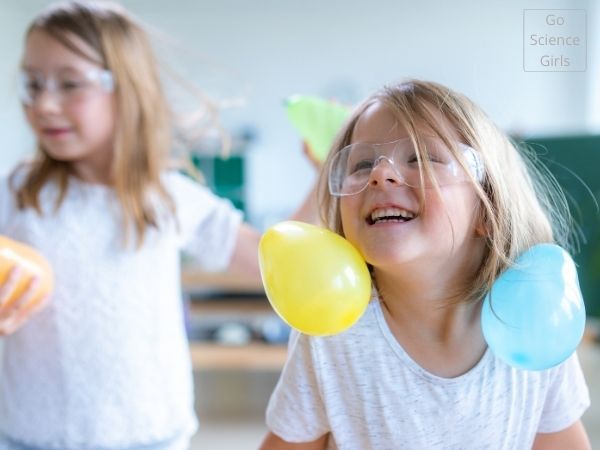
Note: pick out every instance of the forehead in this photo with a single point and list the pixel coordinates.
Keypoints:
(45, 53)
(378, 124)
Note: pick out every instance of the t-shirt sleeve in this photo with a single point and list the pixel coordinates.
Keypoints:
(567, 397)
(208, 225)
(296, 412)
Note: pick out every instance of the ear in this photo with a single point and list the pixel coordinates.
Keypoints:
(481, 230)
(481, 226)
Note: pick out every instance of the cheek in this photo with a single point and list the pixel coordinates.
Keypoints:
(453, 214)
(30, 116)
(349, 215)
(94, 118)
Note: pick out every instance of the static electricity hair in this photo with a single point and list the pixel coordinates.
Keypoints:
(520, 203)
(143, 130)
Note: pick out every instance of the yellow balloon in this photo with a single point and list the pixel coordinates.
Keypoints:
(316, 280)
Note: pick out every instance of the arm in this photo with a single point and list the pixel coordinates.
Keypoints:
(244, 260)
(296, 415)
(308, 210)
(274, 442)
(573, 437)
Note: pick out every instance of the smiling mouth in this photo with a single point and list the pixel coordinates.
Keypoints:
(56, 131)
(384, 215)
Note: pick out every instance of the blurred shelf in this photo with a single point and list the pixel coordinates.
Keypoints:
(230, 306)
(253, 356)
(220, 298)
(207, 284)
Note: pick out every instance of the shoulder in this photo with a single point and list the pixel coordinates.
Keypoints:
(177, 182)
(367, 323)
(567, 396)
(13, 179)
(192, 197)
(362, 338)
(10, 182)
(185, 190)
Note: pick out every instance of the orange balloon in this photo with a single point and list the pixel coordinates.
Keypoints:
(31, 263)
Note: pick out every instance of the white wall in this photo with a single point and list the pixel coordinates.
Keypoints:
(269, 49)
(15, 139)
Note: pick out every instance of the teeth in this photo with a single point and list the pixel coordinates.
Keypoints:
(391, 212)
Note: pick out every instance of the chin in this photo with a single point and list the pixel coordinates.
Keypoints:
(406, 259)
(389, 259)
(62, 155)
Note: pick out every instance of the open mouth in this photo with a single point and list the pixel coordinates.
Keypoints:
(384, 215)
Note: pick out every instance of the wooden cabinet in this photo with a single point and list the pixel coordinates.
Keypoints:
(220, 299)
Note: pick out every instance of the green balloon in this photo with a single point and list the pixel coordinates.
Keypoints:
(317, 121)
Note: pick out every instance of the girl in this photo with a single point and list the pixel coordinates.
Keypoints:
(106, 363)
(439, 202)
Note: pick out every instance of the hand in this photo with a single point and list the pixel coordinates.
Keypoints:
(14, 313)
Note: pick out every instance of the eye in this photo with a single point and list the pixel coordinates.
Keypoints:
(33, 85)
(364, 164)
(70, 85)
(431, 157)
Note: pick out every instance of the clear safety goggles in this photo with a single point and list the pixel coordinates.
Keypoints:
(67, 87)
(350, 169)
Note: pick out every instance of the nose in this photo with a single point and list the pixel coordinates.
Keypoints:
(46, 101)
(385, 172)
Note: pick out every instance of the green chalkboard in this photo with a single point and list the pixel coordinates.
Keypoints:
(224, 176)
(575, 162)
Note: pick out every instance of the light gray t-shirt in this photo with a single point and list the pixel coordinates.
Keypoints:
(106, 364)
(364, 389)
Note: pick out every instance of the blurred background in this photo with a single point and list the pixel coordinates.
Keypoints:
(250, 56)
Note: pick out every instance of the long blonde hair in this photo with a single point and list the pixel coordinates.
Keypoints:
(520, 202)
(143, 129)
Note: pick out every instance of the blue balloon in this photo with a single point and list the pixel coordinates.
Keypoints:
(534, 316)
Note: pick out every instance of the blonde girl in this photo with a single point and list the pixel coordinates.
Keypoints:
(105, 365)
(439, 202)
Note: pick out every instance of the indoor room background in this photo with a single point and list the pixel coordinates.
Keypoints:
(250, 56)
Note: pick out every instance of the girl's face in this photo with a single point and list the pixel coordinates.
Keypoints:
(427, 231)
(71, 113)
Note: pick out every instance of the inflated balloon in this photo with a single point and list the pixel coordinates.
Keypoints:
(317, 121)
(31, 263)
(534, 316)
(315, 279)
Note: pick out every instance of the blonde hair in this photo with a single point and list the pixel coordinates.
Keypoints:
(143, 129)
(520, 202)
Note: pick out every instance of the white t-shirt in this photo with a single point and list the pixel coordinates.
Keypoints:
(364, 389)
(106, 364)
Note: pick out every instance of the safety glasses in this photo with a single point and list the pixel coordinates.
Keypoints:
(66, 87)
(350, 169)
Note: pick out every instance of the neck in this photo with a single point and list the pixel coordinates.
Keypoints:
(95, 168)
(95, 173)
(425, 299)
